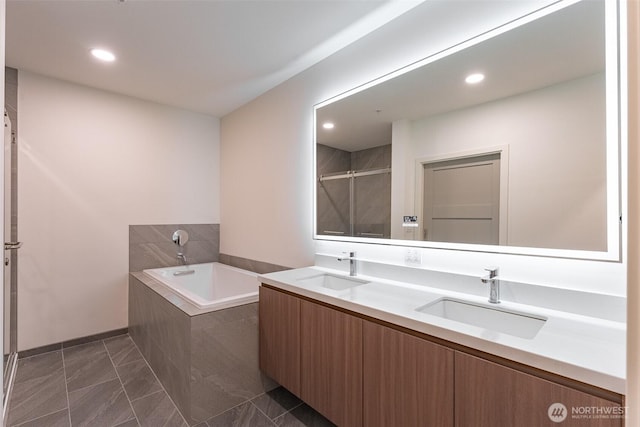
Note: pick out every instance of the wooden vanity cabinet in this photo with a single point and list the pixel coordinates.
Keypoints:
(279, 332)
(357, 372)
(407, 381)
(313, 351)
(491, 395)
(331, 367)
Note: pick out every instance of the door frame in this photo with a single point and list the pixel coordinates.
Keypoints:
(502, 150)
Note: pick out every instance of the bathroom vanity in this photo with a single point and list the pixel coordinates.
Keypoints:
(364, 352)
(401, 345)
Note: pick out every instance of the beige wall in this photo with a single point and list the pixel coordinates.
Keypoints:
(266, 149)
(90, 164)
(561, 161)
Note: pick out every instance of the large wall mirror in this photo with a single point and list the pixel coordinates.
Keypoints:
(504, 143)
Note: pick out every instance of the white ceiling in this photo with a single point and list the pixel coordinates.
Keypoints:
(210, 56)
(565, 45)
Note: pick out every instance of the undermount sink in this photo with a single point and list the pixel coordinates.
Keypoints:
(331, 281)
(497, 319)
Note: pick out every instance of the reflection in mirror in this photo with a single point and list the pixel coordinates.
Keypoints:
(519, 158)
(354, 191)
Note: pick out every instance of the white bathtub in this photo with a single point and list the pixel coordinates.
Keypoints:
(211, 285)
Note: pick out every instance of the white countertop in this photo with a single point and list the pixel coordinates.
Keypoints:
(577, 346)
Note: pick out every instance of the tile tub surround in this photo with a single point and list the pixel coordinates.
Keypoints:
(207, 361)
(150, 246)
(259, 267)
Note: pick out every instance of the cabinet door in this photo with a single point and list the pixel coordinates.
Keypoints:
(407, 381)
(488, 394)
(332, 363)
(279, 327)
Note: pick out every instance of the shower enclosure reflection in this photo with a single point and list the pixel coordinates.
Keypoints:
(354, 192)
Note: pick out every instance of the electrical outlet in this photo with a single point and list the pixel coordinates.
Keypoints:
(413, 257)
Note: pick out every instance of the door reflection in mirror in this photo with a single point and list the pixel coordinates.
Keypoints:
(462, 200)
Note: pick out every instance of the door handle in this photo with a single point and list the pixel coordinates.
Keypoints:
(12, 245)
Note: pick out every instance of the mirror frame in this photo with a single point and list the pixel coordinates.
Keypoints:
(616, 89)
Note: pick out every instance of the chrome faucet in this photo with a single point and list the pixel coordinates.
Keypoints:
(494, 284)
(353, 262)
(180, 238)
(182, 257)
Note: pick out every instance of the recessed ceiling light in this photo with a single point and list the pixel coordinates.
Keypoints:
(474, 78)
(103, 55)
(328, 125)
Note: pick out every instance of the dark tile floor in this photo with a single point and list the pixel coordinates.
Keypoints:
(107, 383)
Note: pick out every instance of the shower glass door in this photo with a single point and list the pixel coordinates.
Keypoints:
(371, 204)
(334, 202)
(355, 203)
(7, 232)
(9, 288)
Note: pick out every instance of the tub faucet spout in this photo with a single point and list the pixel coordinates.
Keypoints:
(182, 258)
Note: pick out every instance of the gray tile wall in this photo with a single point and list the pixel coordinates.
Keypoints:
(331, 160)
(161, 332)
(371, 158)
(207, 363)
(150, 246)
(259, 267)
(224, 361)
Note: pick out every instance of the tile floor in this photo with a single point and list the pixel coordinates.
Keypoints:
(107, 383)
